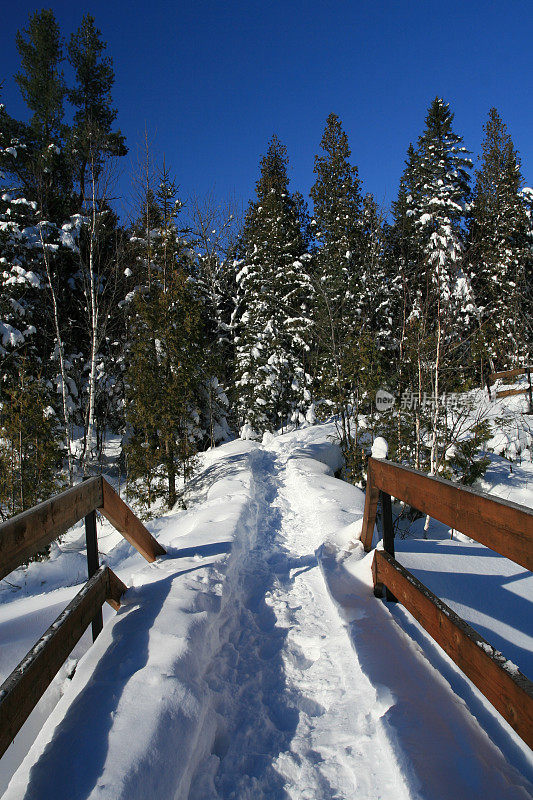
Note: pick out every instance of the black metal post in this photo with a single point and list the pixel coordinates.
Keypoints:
(92, 563)
(388, 535)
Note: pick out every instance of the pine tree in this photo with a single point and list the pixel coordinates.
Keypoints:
(272, 316)
(339, 282)
(402, 241)
(92, 146)
(527, 199)
(437, 313)
(92, 137)
(29, 442)
(438, 207)
(404, 253)
(45, 170)
(30, 453)
(499, 252)
(165, 359)
(40, 80)
(443, 294)
(21, 278)
(380, 286)
(215, 230)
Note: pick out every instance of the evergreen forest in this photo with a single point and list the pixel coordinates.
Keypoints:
(194, 322)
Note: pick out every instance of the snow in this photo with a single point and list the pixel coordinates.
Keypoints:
(11, 337)
(380, 448)
(253, 661)
(491, 593)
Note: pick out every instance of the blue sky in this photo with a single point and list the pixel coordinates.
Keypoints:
(213, 80)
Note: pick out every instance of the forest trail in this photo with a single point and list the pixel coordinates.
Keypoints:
(298, 719)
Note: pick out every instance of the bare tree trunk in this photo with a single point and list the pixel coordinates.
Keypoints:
(211, 412)
(66, 418)
(171, 472)
(436, 409)
(418, 429)
(402, 340)
(93, 305)
(21, 466)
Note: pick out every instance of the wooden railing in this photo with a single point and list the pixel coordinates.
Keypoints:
(504, 527)
(512, 373)
(29, 533)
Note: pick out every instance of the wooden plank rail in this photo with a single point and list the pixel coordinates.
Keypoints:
(29, 533)
(501, 525)
(513, 373)
(511, 392)
(509, 691)
(22, 690)
(510, 373)
(125, 521)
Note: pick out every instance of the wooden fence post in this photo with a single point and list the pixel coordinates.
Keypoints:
(371, 507)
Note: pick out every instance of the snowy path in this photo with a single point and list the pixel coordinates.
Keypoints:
(297, 717)
(253, 662)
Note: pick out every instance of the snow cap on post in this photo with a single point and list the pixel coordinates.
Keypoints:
(380, 448)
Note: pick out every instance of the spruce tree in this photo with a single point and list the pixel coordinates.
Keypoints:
(499, 252)
(272, 316)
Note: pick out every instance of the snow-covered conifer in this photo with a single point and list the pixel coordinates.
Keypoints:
(439, 312)
(347, 269)
(29, 444)
(500, 256)
(272, 320)
(215, 228)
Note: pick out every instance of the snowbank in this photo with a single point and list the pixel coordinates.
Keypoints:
(135, 718)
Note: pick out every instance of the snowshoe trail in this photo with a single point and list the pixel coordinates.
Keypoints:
(297, 718)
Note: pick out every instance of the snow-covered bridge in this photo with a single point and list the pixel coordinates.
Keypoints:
(253, 661)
